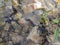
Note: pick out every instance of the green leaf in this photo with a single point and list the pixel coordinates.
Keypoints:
(56, 34)
(55, 21)
(59, 29)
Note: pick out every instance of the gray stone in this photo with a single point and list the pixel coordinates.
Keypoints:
(34, 18)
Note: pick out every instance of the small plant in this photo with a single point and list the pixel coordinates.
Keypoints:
(43, 19)
(55, 21)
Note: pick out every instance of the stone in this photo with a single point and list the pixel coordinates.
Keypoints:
(35, 19)
(0, 39)
(30, 42)
(36, 4)
(10, 43)
(7, 27)
(49, 4)
(23, 27)
(34, 36)
(17, 16)
(16, 38)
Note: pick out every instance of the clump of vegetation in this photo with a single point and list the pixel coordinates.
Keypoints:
(46, 23)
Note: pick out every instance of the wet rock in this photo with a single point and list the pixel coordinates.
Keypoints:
(6, 27)
(16, 38)
(0, 39)
(34, 18)
(22, 25)
(49, 4)
(10, 43)
(34, 36)
(17, 16)
(30, 42)
(1, 3)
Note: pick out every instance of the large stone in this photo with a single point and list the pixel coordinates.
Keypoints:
(16, 38)
(34, 36)
(36, 4)
(32, 17)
